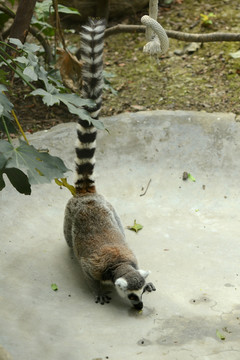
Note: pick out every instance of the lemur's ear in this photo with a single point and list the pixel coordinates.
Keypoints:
(144, 273)
(121, 283)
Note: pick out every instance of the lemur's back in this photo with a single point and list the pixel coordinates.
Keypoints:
(91, 226)
(94, 231)
(92, 223)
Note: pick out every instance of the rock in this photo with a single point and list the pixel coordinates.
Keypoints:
(192, 47)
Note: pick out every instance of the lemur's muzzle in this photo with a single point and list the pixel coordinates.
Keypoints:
(138, 306)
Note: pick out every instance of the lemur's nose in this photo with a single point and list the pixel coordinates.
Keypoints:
(138, 306)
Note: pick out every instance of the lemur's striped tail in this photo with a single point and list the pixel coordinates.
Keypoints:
(92, 38)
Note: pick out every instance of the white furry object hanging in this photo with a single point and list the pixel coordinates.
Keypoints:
(153, 47)
(160, 42)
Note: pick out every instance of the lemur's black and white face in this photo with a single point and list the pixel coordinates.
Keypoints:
(134, 296)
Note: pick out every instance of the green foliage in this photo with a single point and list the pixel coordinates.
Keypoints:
(41, 17)
(3, 19)
(24, 165)
(5, 111)
(29, 69)
(206, 19)
(5, 105)
(39, 166)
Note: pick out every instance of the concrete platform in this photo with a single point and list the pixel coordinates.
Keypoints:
(190, 242)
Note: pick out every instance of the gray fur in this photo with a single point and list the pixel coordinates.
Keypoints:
(94, 231)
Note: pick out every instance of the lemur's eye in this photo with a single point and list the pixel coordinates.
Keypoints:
(133, 297)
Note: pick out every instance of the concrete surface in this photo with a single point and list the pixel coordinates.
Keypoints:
(190, 242)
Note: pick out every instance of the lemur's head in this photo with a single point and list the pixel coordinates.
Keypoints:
(132, 286)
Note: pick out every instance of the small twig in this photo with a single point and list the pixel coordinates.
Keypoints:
(20, 127)
(58, 31)
(146, 188)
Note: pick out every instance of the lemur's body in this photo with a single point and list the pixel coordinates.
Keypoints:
(91, 226)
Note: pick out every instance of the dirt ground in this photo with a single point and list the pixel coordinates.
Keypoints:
(206, 78)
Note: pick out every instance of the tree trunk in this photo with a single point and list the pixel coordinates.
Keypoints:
(20, 26)
(103, 9)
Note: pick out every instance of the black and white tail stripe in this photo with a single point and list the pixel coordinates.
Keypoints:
(92, 41)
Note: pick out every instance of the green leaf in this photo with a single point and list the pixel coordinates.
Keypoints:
(98, 124)
(5, 150)
(54, 287)
(3, 88)
(72, 101)
(2, 182)
(135, 227)
(67, 10)
(22, 60)
(191, 177)
(10, 125)
(43, 75)
(29, 71)
(5, 103)
(31, 48)
(48, 98)
(19, 180)
(16, 42)
(41, 167)
(219, 335)
(42, 9)
(75, 100)
(3, 77)
(3, 19)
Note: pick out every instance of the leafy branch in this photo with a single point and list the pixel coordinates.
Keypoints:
(23, 164)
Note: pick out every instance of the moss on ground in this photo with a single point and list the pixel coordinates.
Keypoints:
(207, 79)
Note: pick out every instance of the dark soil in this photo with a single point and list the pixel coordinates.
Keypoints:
(205, 79)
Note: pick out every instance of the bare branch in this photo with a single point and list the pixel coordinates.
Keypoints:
(210, 37)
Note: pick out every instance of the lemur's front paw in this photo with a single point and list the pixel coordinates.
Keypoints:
(102, 299)
(149, 287)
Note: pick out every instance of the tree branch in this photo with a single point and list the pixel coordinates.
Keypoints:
(22, 19)
(210, 37)
(32, 31)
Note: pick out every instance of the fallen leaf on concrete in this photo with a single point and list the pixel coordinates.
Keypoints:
(136, 227)
(191, 177)
(54, 287)
(219, 335)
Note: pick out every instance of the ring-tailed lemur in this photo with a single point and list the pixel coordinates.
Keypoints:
(91, 226)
